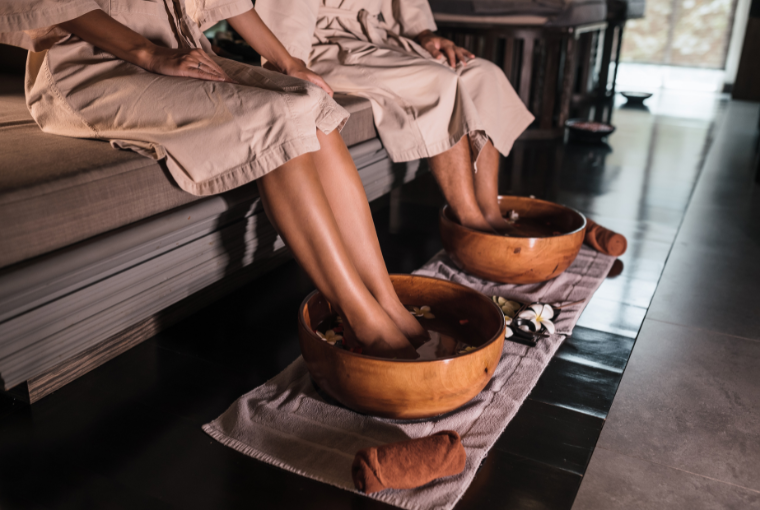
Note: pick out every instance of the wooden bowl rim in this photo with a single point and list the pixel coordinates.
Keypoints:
(449, 221)
(495, 338)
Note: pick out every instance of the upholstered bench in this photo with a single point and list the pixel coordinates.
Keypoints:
(99, 249)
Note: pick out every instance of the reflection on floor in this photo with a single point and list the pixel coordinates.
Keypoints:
(128, 434)
(683, 430)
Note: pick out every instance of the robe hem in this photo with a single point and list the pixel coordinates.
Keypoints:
(502, 143)
(248, 172)
(328, 120)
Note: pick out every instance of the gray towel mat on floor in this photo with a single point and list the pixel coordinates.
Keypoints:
(287, 423)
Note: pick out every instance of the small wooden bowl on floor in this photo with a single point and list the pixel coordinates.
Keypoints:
(636, 98)
(586, 131)
(516, 259)
(409, 389)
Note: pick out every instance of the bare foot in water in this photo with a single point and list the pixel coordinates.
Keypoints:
(501, 225)
(476, 222)
(405, 321)
(377, 335)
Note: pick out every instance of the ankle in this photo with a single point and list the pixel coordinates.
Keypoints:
(479, 223)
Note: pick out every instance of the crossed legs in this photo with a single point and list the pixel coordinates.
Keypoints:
(473, 197)
(317, 203)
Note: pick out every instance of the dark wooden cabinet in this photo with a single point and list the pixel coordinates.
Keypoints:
(747, 84)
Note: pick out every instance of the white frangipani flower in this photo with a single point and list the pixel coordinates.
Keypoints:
(508, 331)
(540, 315)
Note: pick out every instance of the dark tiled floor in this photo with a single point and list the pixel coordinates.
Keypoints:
(683, 430)
(620, 481)
(509, 481)
(552, 435)
(128, 434)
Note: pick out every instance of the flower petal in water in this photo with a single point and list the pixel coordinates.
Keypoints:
(329, 336)
(423, 311)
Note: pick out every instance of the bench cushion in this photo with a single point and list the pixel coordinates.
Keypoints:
(56, 191)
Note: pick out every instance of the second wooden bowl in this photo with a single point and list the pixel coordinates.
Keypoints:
(516, 259)
(409, 389)
(581, 130)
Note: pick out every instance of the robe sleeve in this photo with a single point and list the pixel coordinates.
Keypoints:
(292, 21)
(414, 16)
(207, 13)
(31, 24)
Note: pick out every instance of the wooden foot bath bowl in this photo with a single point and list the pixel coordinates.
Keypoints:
(409, 389)
(553, 235)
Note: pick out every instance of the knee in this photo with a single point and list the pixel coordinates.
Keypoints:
(482, 72)
(442, 77)
(481, 69)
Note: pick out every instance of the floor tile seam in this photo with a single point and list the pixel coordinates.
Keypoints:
(695, 328)
(599, 331)
(713, 133)
(598, 416)
(601, 298)
(708, 145)
(626, 302)
(578, 360)
(648, 461)
(564, 470)
(624, 277)
(541, 402)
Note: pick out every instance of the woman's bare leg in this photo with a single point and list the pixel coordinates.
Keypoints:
(296, 204)
(487, 187)
(345, 193)
(453, 171)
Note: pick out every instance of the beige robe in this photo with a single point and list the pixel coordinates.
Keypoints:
(214, 136)
(421, 106)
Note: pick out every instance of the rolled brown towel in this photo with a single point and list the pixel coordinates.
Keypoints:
(604, 240)
(408, 464)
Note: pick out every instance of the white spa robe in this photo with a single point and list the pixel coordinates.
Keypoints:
(214, 136)
(421, 107)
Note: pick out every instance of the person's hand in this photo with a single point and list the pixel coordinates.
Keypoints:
(440, 47)
(297, 69)
(193, 63)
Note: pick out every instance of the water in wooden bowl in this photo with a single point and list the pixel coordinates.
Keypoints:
(460, 359)
(545, 239)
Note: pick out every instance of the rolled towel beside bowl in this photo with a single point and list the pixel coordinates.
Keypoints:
(408, 464)
(604, 240)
